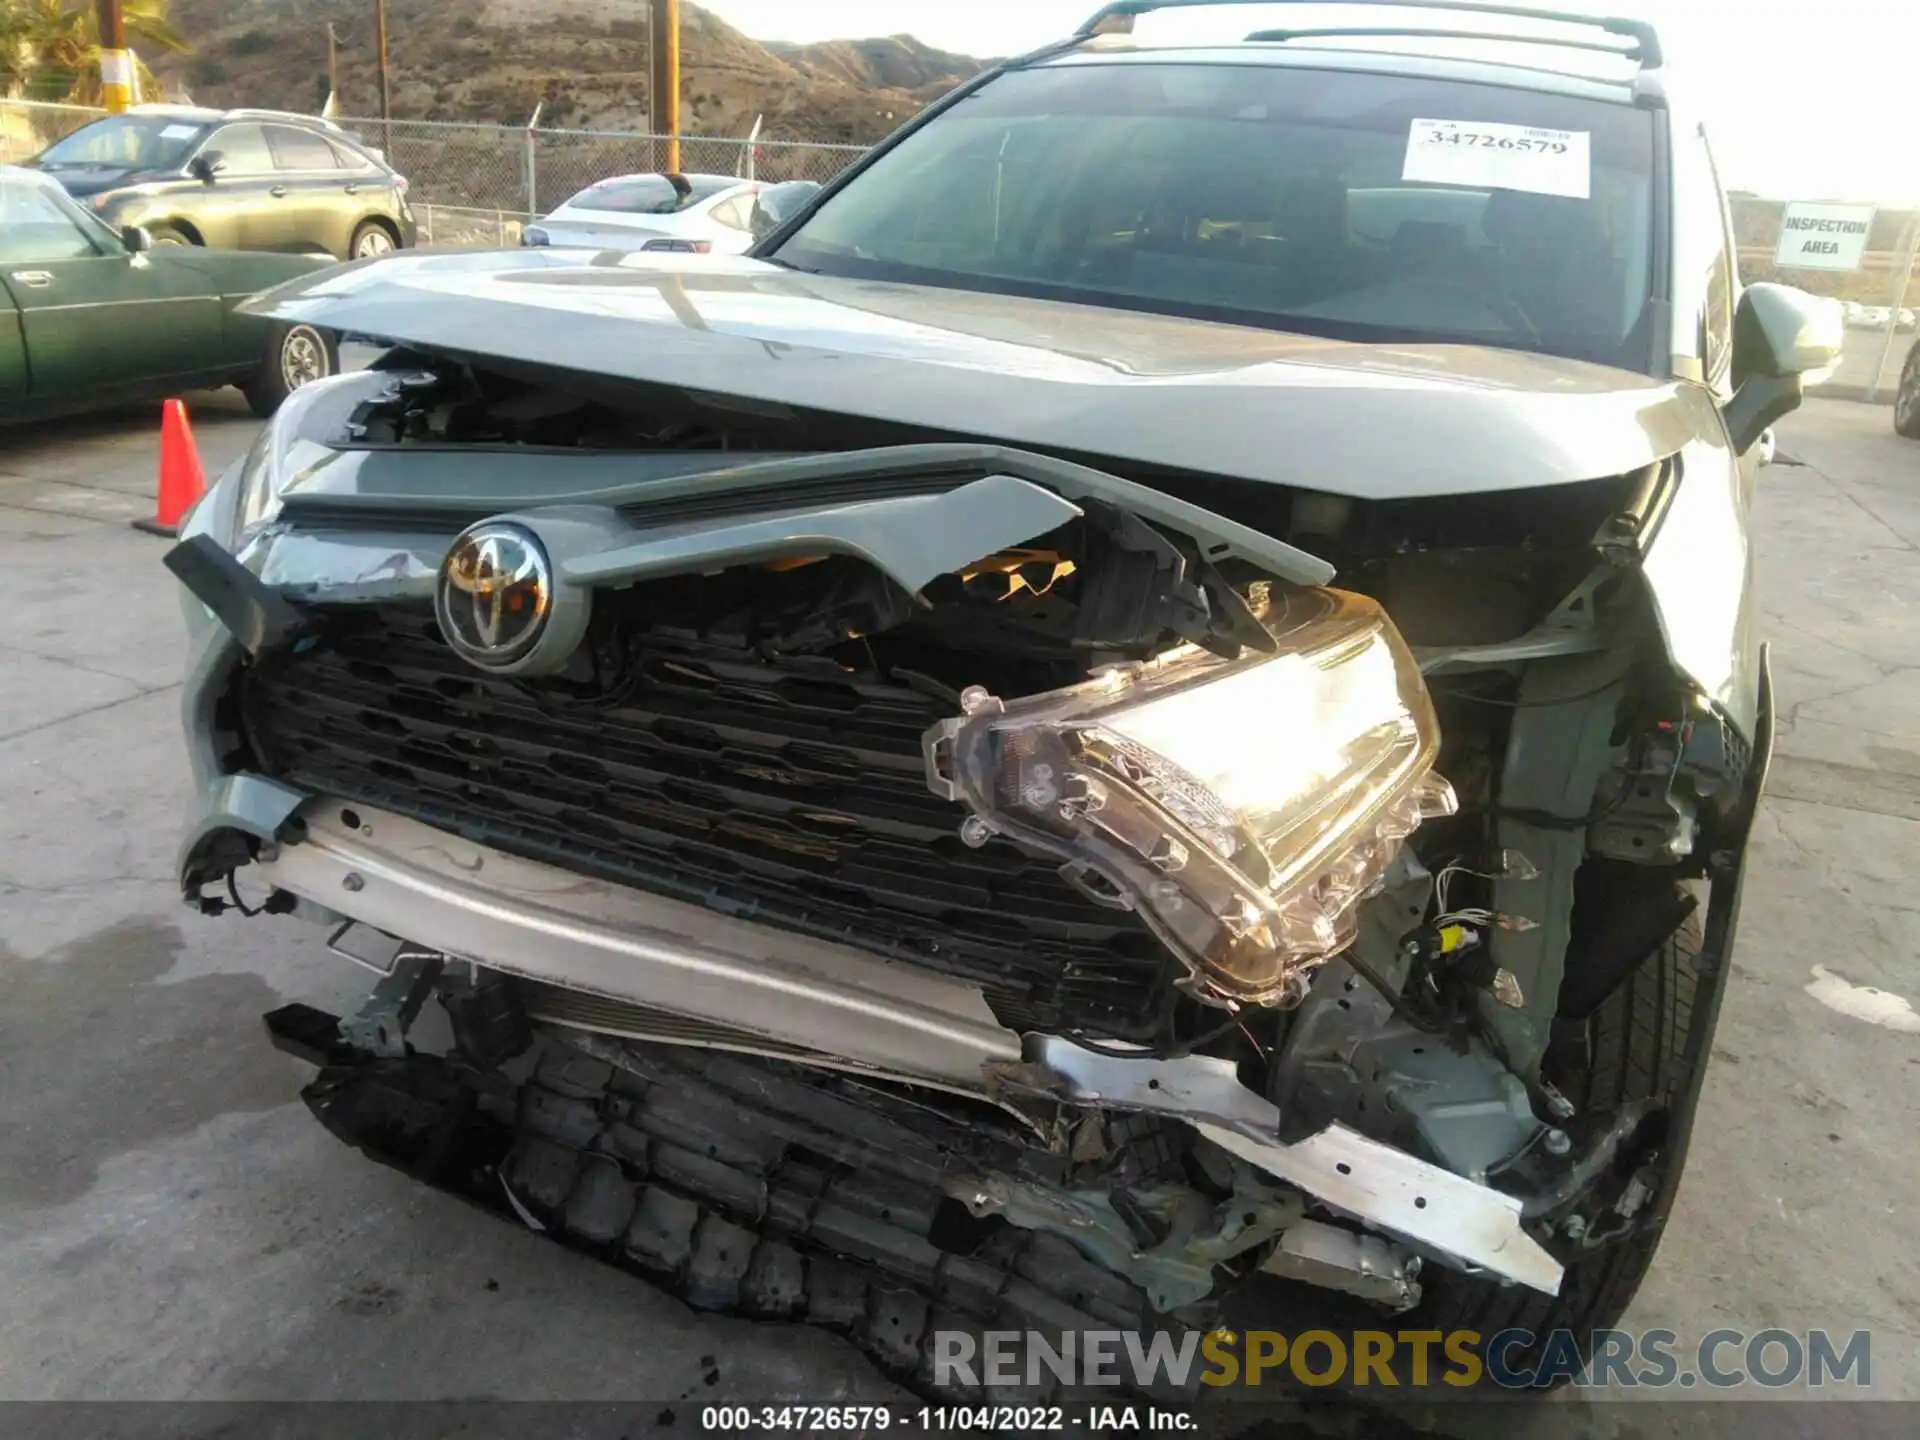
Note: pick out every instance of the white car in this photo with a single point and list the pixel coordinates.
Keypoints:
(691, 214)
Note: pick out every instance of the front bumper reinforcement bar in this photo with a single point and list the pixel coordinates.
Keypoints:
(1438, 1211)
(543, 923)
(540, 922)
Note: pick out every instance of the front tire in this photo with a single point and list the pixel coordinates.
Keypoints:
(296, 355)
(1906, 400)
(1636, 1054)
(170, 235)
(1634, 1051)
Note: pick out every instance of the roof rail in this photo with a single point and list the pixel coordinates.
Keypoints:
(1117, 17)
(257, 112)
(1629, 51)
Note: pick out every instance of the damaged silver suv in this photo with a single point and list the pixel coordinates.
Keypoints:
(1149, 716)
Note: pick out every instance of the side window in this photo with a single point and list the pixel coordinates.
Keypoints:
(34, 227)
(733, 214)
(300, 149)
(242, 149)
(347, 158)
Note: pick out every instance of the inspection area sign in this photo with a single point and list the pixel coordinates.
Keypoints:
(1823, 237)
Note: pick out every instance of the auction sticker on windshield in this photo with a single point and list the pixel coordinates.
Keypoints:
(1489, 155)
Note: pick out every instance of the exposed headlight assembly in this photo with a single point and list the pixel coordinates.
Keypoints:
(294, 444)
(1244, 807)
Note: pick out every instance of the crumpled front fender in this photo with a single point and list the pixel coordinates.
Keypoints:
(1698, 568)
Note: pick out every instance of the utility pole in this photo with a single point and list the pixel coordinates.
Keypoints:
(386, 81)
(116, 64)
(333, 63)
(663, 55)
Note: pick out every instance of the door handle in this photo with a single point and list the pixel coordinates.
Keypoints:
(353, 189)
(278, 192)
(34, 279)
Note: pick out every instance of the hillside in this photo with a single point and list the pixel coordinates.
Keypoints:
(585, 59)
(891, 62)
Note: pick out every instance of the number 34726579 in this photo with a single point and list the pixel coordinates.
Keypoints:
(1477, 139)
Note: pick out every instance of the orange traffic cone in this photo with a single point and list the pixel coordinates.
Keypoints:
(182, 481)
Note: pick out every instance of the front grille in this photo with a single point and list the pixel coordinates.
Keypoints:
(789, 792)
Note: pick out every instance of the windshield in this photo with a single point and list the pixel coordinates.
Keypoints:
(650, 194)
(1354, 205)
(126, 142)
(38, 219)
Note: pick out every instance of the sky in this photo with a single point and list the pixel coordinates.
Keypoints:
(1805, 99)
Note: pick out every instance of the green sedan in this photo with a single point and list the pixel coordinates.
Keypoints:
(91, 318)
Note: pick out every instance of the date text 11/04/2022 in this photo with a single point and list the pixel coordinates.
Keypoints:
(1243, 1361)
(936, 1419)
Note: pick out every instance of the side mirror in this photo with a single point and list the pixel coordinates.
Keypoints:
(204, 166)
(777, 204)
(137, 239)
(1782, 337)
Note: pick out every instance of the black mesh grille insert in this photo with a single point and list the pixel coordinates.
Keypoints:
(789, 792)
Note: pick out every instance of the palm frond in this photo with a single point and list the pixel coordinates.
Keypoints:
(51, 49)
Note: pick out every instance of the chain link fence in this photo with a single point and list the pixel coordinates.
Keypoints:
(474, 185)
(528, 171)
(465, 227)
(28, 126)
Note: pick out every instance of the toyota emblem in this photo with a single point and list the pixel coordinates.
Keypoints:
(495, 595)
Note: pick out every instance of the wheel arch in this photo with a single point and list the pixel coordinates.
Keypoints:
(383, 221)
(180, 223)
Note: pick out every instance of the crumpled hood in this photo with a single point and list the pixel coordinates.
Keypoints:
(1375, 421)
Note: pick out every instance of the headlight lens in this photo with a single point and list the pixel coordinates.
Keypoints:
(259, 486)
(290, 445)
(1245, 807)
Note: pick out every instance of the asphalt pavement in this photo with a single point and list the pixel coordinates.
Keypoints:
(174, 1225)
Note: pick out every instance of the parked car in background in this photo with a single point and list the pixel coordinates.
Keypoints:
(235, 180)
(1906, 399)
(777, 204)
(1905, 319)
(690, 214)
(91, 318)
(1874, 317)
